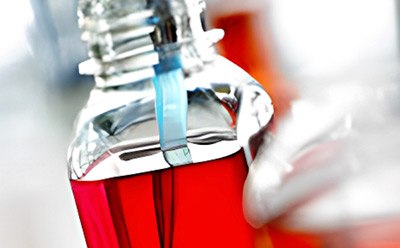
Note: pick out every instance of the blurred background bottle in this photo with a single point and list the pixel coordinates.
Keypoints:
(322, 183)
(248, 43)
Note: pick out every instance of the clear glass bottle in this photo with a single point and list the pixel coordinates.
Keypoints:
(160, 151)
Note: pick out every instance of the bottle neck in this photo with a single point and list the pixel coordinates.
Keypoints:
(126, 38)
(179, 21)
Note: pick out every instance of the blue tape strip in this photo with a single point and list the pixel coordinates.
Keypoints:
(171, 111)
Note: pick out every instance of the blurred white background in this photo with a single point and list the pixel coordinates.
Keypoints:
(39, 98)
(41, 93)
(320, 38)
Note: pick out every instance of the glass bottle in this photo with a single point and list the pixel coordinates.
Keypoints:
(160, 151)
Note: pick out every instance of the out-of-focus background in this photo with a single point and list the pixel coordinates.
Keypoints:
(296, 49)
(40, 95)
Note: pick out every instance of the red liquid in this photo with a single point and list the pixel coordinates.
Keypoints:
(197, 205)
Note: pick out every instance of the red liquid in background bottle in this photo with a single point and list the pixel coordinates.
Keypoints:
(247, 45)
(198, 205)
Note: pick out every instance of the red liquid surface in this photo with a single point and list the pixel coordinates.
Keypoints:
(197, 205)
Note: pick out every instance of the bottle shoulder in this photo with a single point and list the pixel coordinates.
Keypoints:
(116, 134)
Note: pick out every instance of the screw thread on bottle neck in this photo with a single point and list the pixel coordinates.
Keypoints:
(127, 38)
